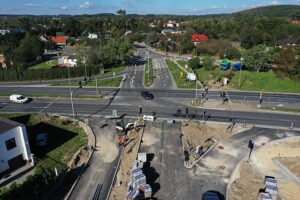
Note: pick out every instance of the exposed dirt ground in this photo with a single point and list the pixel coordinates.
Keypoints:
(195, 133)
(229, 106)
(129, 155)
(247, 183)
(292, 163)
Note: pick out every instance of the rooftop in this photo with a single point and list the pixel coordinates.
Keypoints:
(6, 124)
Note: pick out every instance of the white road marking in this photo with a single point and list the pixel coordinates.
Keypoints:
(47, 106)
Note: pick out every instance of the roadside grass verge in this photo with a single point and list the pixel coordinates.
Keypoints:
(65, 138)
(180, 82)
(110, 82)
(58, 152)
(45, 65)
(148, 81)
(250, 80)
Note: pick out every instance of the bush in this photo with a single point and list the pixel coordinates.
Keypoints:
(194, 63)
(34, 187)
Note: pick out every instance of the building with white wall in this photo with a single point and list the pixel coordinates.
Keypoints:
(14, 145)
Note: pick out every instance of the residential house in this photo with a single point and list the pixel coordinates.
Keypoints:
(152, 25)
(68, 61)
(59, 40)
(2, 61)
(4, 31)
(14, 145)
(287, 42)
(171, 24)
(92, 36)
(199, 38)
(166, 31)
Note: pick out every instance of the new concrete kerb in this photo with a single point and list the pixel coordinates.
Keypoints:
(91, 144)
(235, 171)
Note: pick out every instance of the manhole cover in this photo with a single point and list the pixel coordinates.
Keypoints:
(222, 167)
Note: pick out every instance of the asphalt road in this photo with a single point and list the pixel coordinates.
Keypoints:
(133, 85)
(164, 108)
(163, 78)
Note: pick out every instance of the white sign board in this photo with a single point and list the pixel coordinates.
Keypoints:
(191, 76)
(148, 118)
(114, 74)
(114, 113)
(142, 157)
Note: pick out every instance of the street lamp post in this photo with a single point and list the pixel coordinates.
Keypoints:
(241, 71)
(97, 92)
(71, 93)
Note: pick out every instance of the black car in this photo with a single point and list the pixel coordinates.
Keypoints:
(147, 95)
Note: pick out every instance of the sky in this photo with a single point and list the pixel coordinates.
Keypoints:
(181, 7)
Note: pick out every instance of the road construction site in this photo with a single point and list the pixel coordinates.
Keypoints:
(167, 144)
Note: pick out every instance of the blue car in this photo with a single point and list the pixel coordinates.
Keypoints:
(212, 195)
(237, 67)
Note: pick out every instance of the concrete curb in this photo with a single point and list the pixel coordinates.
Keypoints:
(91, 143)
(233, 174)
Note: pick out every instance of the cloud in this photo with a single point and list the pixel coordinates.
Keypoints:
(85, 5)
(33, 5)
(275, 2)
(63, 7)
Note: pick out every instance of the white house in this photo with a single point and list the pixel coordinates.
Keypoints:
(68, 61)
(14, 145)
(4, 31)
(92, 36)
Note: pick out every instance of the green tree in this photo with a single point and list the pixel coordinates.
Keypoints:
(208, 62)
(121, 12)
(295, 71)
(29, 49)
(194, 63)
(258, 57)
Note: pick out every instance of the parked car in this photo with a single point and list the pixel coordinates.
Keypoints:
(147, 95)
(17, 98)
(42, 139)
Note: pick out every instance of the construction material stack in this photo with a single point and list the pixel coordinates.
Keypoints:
(138, 186)
(270, 191)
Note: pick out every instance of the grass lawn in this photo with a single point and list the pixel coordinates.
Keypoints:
(250, 81)
(112, 69)
(45, 65)
(148, 81)
(63, 140)
(182, 63)
(180, 82)
(265, 82)
(110, 82)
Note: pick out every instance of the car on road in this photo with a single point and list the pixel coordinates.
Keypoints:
(147, 95)
(212, 195)
(17, 98)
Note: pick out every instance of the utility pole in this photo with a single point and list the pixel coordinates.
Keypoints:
(148, 64)
(241, 71)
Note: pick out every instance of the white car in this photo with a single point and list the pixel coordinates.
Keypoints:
(16, 98)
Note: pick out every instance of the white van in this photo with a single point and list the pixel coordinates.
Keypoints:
(16, 98)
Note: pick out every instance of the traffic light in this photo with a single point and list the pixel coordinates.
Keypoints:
(187, 111)
(141, 109)
(80, 84)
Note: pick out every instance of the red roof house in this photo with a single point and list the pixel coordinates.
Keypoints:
(199, 38)
(59, 40)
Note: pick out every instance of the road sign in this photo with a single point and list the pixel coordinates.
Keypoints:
(114, 113)
(148, 118)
